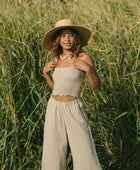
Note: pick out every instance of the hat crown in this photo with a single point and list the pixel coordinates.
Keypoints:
(64, 22)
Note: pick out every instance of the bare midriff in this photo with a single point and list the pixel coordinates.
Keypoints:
(64, 98)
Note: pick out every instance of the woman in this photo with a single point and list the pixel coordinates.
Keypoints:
(66, 119)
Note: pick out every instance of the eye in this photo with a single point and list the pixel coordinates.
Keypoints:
(72, 35)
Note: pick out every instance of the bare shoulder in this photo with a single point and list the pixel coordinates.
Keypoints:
(86, 58)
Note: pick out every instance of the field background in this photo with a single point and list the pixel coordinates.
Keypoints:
(113, 111)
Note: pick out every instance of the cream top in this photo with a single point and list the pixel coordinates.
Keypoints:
(68, 81)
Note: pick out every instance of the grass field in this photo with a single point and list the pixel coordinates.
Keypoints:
(113, 111)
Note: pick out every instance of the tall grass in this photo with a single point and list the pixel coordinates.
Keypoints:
(113, 111)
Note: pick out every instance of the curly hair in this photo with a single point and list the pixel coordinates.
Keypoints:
(56, 49)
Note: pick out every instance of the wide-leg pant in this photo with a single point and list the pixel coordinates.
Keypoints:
(68, 121)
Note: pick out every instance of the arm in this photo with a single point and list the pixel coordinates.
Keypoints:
(93, 78)
(85, 63)
(49, 80)
(48, 67)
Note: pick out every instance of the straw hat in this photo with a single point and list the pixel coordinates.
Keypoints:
(84, 33)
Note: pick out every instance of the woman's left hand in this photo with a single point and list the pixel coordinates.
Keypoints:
(85, 63)
(81, 65)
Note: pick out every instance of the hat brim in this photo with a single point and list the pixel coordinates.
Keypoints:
(84, 34)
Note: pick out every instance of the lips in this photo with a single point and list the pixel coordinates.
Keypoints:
(67, 44)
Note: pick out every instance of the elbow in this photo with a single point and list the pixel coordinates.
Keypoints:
(97, 88)
(52, 87)
(96, 85)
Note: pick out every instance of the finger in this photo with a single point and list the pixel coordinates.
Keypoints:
(76, 65)
(55, 62)
(53, 65)
(50, 64)
(51, 68)
(75, 62)
(78, 60)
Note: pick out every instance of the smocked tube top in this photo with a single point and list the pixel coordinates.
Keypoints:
(68, 81)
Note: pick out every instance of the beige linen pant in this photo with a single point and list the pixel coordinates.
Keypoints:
(68, 121)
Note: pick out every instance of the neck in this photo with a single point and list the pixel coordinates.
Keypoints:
(65, 52)
(63, 57)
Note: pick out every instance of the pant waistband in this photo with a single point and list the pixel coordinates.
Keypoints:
(78, 100)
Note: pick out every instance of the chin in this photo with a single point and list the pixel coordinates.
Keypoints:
(68, 48)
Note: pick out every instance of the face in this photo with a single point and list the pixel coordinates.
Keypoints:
(67, 39)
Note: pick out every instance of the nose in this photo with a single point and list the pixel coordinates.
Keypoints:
(67, 37)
